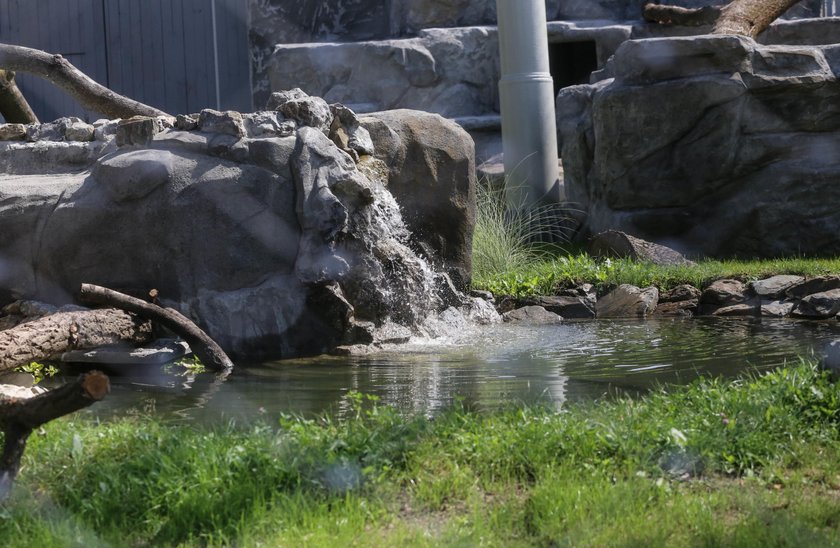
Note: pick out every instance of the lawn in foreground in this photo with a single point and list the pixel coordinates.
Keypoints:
(749, 462)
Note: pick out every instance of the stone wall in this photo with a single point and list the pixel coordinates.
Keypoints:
(274, 230)
(712, 145)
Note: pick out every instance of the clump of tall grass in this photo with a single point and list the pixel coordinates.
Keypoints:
(510, 237)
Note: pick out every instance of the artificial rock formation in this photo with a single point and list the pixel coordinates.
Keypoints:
(711, 145)
(258, 226)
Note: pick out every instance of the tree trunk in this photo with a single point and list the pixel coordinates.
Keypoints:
(745, 17)
(19, 417)
(210, 353)
(13, 105)
(63, 74)
(52, 335)
(750, 17)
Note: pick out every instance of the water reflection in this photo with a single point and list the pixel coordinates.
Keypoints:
(484, 369)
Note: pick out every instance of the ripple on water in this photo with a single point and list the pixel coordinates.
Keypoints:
(488, 367)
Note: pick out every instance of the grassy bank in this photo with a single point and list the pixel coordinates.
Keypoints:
(752, 462)
(547, 273)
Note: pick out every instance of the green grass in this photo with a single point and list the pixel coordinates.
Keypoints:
(752, 462)
(548, 275)
(509, 260)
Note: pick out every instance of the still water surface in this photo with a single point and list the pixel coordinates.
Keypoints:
(484, 369)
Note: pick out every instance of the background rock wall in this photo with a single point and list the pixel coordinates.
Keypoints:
(709, 144)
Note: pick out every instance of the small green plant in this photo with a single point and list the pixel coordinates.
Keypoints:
(191, 363)
(509, 238)
(39, 371)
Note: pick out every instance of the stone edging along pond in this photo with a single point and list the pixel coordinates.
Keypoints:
(815, 298)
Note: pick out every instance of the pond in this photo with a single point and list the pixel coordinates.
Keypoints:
(484, 368)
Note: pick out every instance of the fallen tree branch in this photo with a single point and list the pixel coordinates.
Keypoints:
(52, 335)
(62, 73)
(19, 417)
(210, 353)
(744, 17)
(13, 105)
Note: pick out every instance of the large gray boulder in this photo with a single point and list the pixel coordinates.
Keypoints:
(259, 227)
(430, 165)
(711, 145)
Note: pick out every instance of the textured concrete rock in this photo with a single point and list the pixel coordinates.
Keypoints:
(742, 309)
(531, 315)
(453, 72)
(709, 143)
(776, 309)
(724, 293)
(137, 130)
(228, 123)
(627, 301)
(680, 309)
(431, 173)
(277, 245)
(613, 243)
(818, 284)
(12, 132)
(567, 306)
(683, 292)
(775, 287)
(819, 305)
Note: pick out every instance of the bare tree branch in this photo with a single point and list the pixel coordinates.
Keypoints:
(19, 417)
(210, 353)
(13, 106)
(50, 336)
(744, 17)
(62, 73)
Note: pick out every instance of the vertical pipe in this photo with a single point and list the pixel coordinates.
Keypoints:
(526, 93)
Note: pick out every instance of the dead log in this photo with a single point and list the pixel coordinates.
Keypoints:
(13, 106)
(19, 417)
(744, 17)
(50, 336)
(62, 73)
(210, 353)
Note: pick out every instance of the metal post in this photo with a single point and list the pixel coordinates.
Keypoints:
(526, 93)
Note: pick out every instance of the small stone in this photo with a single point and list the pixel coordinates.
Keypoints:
(568, 306)
(627, 301)
(681, 309)
(775, 287)
(819, 305)
(810, 286)
(78, 131)
(228, 122)
(614, 243)
(137, 130)
(531, 315)
(185, 122)
(279, 98)
(776, 309)
(683, 292)
(105, 129)
(12, 132)
(724, 293)
(309, 111)
(742, 309)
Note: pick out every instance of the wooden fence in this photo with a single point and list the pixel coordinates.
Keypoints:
(178, 55)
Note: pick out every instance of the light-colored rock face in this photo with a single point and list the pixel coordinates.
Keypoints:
(627, 301)
(258, 226)
(713, 144)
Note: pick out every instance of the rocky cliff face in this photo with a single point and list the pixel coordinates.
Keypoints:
(275, 229)
(710, 144)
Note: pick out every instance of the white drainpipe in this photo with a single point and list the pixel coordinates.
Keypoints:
(526, 93)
